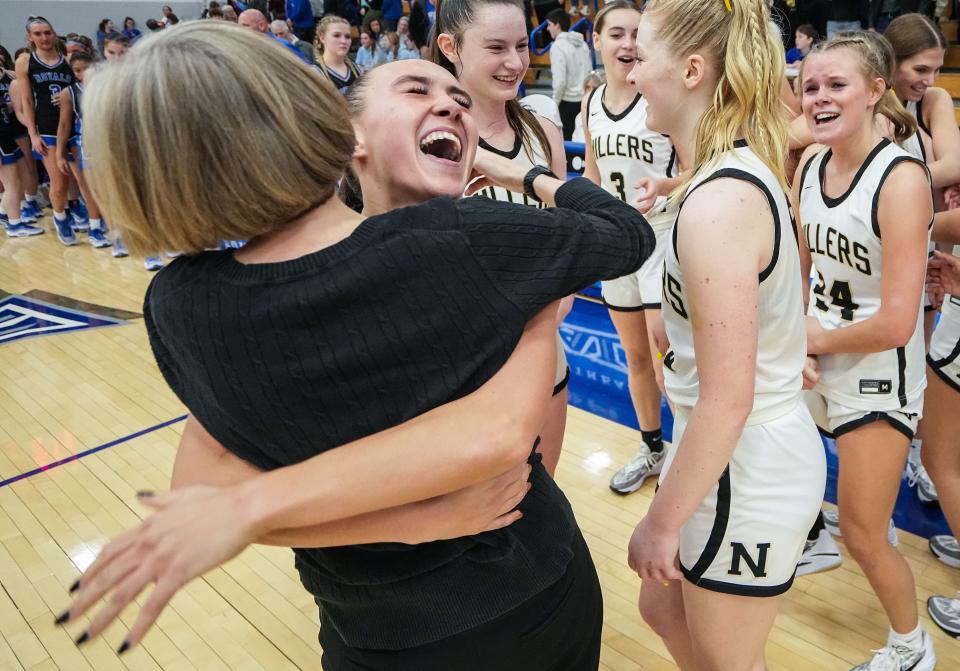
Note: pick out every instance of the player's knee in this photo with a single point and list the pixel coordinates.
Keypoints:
(863, 540)
(660, 615)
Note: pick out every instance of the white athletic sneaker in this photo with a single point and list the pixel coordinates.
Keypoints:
(945, 612)
(641, 466)
(946, 549)
(831, 520)
(822, 554)
(926, 490)
(900, 658)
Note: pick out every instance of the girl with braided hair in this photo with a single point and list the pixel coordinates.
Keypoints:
(743, 482)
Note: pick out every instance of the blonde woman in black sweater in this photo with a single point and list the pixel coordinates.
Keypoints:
(333, 328)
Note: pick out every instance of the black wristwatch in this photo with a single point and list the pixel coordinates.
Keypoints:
(534, 172)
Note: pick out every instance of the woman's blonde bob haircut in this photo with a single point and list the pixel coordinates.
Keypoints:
(210, 131)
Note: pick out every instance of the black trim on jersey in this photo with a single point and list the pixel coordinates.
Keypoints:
(740, 144)
(510, 153)
(834, 202)
(611, 115)
(937, 366)
(920, 122)
(874, 222)
(806, 169)
(923, 150)
(636, 308)
(672, 163)
(902, 376)
(947, 360)
(929, 308)
(733, 588)
(870, 418)
(562, 384)
(744, 176)
(719, 530)
(59, 62)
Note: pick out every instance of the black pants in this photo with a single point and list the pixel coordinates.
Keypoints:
(568, 115)
(556, 630)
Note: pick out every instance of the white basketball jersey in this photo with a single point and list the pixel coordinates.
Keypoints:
(781, 340)
(843, 235)
(913, 145)
(519, 155)
(626, 150)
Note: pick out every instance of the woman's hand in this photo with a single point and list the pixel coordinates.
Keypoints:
(814, 332)
(648, 190)
(38, 145)
(653, 553)
(490, 169)
(943, 274)
(811, 373)
(191, 531)
(62, 164)
(485, 506)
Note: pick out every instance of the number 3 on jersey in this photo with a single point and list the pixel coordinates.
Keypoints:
(619, 184)
(840, 295)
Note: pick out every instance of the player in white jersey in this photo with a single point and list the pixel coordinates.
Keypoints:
(744, 479)
(865, 207)
(485, 44)
(622, 154)
(920, 48)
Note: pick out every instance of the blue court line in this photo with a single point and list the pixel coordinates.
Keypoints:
(92, 450)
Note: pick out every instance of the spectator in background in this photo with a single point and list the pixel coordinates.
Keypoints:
(346, 9)
(806, 37)
(282, 30)
(216, 13)
(256, 21)
(105, 27)
(229, 13)
(408, 49)
(391, 47)
(847, 15)
(392, 11)
(403, 27)
(130, 30)
(420, 26)
(570, 64)
(169, 18)
(205, 14)
(300, 15)
(370, 54)
(882, 12)
(593, 80)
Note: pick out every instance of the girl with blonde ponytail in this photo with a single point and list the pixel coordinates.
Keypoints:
(742, 485)
(865, 206)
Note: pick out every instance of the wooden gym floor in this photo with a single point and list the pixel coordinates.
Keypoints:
(66, 394)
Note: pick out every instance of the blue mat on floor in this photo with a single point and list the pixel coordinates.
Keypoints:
(598, 384)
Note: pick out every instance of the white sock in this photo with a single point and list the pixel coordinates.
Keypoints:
(15, 222)
(96, 224)
(29, 198)
(60, 216)
(911, 640)
(3, 212)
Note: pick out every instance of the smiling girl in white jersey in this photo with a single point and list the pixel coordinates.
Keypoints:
(865, 206)
(744, 479)
(485, 45)
(620, 152)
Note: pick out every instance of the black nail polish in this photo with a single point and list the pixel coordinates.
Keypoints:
(62, 617)
(123, 647)
(83, 638)
(75, 586)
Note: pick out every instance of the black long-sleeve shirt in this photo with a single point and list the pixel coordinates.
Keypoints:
(418, 307)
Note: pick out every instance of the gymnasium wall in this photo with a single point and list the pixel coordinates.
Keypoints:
(83, 16)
